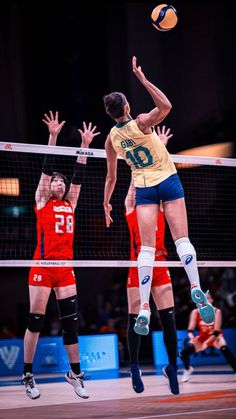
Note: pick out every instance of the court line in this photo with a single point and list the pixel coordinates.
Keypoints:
(169, 415)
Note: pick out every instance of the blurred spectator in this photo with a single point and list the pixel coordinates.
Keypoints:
(6, 332)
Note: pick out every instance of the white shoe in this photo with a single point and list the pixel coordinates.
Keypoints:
(186, 374)
(77, 382)
(29, 382)
(142, 322)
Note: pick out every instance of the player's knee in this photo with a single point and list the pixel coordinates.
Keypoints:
(35, 324)
(184, 247)
(167, 317)
(223, 348)
(67, 308)
(187, 351)
(70, 330)
(146, 256)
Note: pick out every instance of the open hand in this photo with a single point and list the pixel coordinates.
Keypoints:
(87, 134)
(54, 126)
(164, 134)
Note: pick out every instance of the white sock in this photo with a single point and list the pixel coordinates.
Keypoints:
(187, 255)
(146, 259)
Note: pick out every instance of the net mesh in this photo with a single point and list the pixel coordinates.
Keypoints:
(210, 191)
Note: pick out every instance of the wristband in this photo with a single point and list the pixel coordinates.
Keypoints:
(79, 173)
(48, 163)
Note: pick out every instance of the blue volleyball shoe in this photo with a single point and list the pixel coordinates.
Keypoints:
(206, 310)
(137, 383)
(170, 372)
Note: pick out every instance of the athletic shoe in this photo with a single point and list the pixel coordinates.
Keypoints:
(77, 382)
(186, 374)
(137, 383)
(170, 372)
(206, 310)
(142, 322)
(30, 386)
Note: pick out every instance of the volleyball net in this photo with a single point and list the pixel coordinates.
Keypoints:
(210, 192)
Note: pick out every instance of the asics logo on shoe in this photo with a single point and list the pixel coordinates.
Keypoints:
(188, 260)
(145, 279)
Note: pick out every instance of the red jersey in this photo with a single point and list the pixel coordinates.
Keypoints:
(55, 230)
(205, 330)
(135, 242)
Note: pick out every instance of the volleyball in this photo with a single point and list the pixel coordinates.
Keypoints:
(164, 17)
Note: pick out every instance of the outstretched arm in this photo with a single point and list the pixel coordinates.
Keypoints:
(110, 179)
(87, 135)
(43, 190)
(163, 105)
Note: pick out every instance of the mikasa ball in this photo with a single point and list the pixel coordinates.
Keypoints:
(164, 17)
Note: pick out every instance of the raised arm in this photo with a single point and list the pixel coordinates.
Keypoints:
(162, 103)
(43, 190)
(110, 179)
(87, 135)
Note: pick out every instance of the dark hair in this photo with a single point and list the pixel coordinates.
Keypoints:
(114, 104)
(65, 180)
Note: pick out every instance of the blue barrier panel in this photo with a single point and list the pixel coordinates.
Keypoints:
(97, 353)
(210, 356)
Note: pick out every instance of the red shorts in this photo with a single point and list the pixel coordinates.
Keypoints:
(161, 276)
(51, 277)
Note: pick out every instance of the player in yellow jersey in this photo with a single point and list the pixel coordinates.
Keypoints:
(155, 180)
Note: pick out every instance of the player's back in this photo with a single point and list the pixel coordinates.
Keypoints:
(145, 153)
(55, 230)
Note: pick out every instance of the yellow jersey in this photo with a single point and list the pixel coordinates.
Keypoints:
(147, 156)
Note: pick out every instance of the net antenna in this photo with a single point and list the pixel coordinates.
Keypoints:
(210, 192)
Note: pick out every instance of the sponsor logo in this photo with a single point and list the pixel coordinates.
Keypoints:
(52, 263)
(100, 357)
(8, 147)
(145, 306)
(145, 279)
(188, 259)
(9, 355)
(84, 153)
(62, 209)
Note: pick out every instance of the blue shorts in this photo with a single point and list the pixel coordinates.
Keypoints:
(168, 190)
